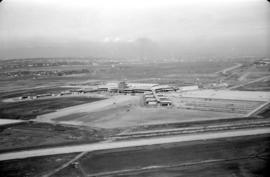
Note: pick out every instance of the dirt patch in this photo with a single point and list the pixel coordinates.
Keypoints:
(98, 108)
(126, 116)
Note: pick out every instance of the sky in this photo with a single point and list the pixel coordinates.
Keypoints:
(134, 28)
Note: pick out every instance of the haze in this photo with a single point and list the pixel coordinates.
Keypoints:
(132, 29)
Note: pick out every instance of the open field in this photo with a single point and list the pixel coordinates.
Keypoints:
(264, 111)
(244, 167)
(179, 73)
(245, 74)
(221, 157)
(30, 83)
(240, 156)
(31, 92)
(125, 111)
(261, 85)
(33, 167)
(146, 116)
(126, 116)
(37, 135)
(29, 110)
(190, 127)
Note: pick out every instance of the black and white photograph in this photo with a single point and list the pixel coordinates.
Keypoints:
(134, 88)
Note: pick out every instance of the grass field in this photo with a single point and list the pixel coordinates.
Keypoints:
(239, 156)
(36, 135)
(186, 125)
(247, 167)
(30, 109)
(265, 112)
(235, 156)
(33, 167)
(263, 85)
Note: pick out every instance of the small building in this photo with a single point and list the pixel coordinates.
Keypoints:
(77, 91)
(44, 95)
(263, 62)
(140, 90)
(141, 87)
(150, 99)
(23, 97)
(163, 98)
(113, 90)
(148, 93)
(65, 93)
(122, 86)
(128, 91)
(165, 102)
(163, 88)
(152, 103)
(102, 89)
(147, 100)
(188, 88)
(219, 85)
(108, 86)
(89, 90)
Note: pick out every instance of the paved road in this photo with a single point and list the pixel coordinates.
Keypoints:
(224, 71)
(9, 121)
(130, 143)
